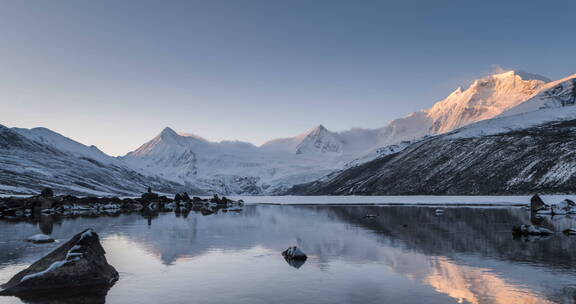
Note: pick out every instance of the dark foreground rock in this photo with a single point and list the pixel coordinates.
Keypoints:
(97, 296)
(78, 265)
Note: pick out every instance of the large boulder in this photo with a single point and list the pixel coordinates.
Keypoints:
(77, 265)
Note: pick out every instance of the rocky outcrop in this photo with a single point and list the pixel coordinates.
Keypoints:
(149, 202)
(78, 264)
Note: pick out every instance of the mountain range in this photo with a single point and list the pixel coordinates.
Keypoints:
(426, 152)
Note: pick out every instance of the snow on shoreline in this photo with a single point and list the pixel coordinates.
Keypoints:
(402, 200)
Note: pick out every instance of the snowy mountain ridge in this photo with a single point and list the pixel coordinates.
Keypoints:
(31, 159)
(490, 105)
(528, 148)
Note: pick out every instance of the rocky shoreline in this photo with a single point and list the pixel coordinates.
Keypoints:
(46, 203)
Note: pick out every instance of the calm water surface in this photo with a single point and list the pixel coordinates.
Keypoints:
(405, 255)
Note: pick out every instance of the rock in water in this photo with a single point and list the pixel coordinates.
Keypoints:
(294, 253)
(530, 230)
(536, 203)
(564, 207)
(40, 238)
(77, 265)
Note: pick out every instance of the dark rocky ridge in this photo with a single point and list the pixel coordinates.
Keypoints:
(538, 159)
(16, 208)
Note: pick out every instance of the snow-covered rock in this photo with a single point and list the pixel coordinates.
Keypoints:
(564, 207)
(78, 264)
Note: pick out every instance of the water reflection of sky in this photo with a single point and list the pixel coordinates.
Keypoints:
(405, 255)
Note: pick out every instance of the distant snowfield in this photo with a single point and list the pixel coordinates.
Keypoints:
(402, 200)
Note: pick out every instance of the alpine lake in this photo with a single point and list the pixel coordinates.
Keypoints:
(356, 254)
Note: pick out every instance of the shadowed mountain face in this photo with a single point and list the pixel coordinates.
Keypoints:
(537, 159)
(465, 255)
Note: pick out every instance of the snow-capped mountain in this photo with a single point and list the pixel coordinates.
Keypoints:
(31, 159)
(529, 148)
(171, 160)
(554, 94)
(233, 167)
(485, 98)
(320, 140)
(55, 140)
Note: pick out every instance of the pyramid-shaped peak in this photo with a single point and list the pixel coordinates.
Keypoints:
(168, 131)
(319, 128)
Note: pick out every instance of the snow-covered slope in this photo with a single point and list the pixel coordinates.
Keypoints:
(554, 94)
(485, 98)
(320, 140)
(62, 143)
(554, 102)
(31, 159)
(530, 151)
(234, 167)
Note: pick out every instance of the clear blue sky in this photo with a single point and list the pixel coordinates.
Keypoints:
(114, 73)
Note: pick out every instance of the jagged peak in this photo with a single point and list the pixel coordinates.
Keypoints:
(457, 91)
(522, 74)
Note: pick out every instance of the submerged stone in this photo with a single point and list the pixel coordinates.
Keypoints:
(530, 230)
(40, 238)
(77, 265)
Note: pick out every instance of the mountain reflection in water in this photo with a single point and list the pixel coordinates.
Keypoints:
(404, 255)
